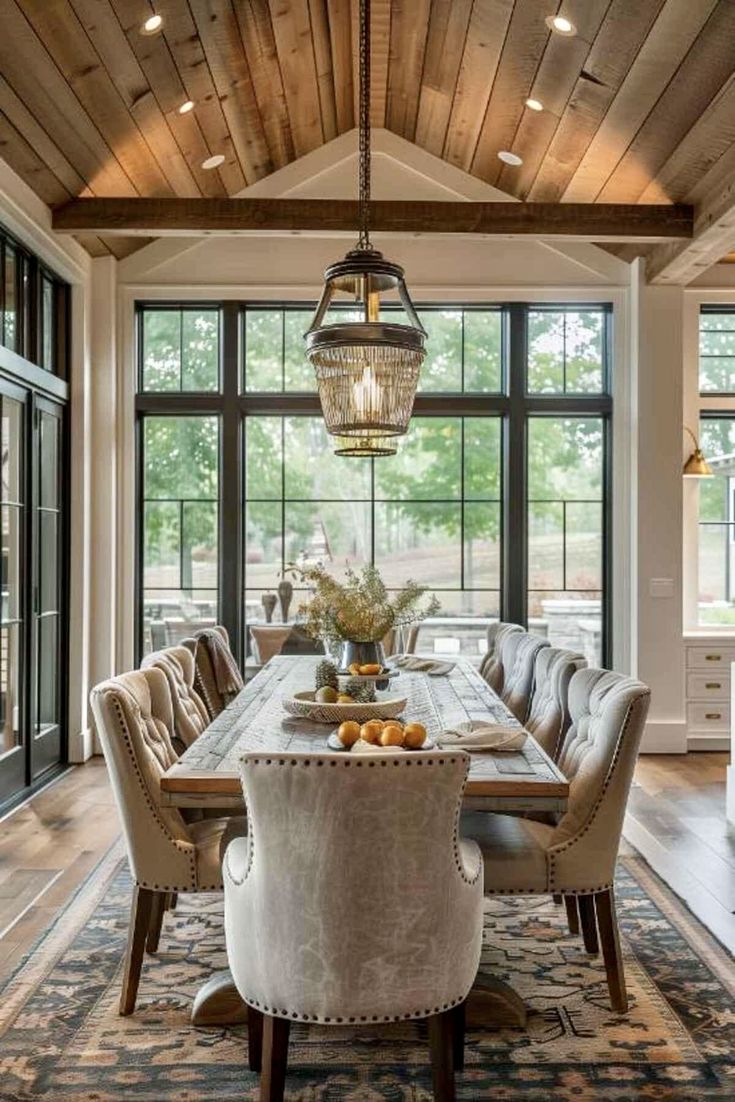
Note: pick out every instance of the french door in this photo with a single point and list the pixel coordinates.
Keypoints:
(31, 608)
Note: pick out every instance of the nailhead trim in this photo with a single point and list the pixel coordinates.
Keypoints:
(321, 1019)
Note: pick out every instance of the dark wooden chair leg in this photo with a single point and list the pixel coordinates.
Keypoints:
(558, 898)
(275, 1058)
(441, 1042)
(586, 906)
(458, 1032)
(140, 921)
(570, 901)
(158, 910)
(255, 1039)
(172, 901)
(607, 924)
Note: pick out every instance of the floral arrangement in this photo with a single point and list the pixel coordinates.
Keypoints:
(360, 609)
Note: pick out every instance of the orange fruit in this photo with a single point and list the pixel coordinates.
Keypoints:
(354, 668)
(414, 735)
(391, 735)
(370, 668)
(349, 732)
(371, 731)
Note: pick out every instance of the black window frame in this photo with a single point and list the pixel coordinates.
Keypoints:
(232, 403)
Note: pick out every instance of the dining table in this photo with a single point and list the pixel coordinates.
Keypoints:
(207, 776)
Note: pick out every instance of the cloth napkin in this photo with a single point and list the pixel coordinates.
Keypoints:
(478, 735)
(415, 664)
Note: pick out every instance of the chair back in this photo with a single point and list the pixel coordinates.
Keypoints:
(548, 713)
(518, 659)
(217, 680)
(189, 711)
(133, 717)
(490, 665)
(608, 713)
(355, 903)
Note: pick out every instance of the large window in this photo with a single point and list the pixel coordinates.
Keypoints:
(34, 307)
(496, 501)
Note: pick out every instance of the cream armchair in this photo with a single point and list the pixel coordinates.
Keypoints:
(576, 857)
(518, 659)
(134, 717)
(548, 716)
(189, 711)
(217, 679)
(491, 667)
(353, 900)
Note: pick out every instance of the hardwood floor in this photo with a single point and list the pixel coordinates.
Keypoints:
(47, 847)
(676, 819)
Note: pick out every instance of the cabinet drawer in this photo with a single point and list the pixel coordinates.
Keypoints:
(708, 716)
(710, 657)
(714, 685)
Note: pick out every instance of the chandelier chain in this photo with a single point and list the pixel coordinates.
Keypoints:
(364, 126)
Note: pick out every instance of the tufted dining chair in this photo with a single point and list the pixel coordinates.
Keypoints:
(548, 716)
(490, 665)
(133, 715)
(217, 679)
(576, 856)
(354, 900)
(189, 711)
(518, 660)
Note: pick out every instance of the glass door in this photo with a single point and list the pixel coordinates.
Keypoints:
(46, 638)
(13, 589)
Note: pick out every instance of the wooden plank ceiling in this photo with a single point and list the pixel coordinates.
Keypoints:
(639, 105)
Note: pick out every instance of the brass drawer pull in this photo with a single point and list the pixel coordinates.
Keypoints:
(713, 715)
(712, 685)
(713, 657)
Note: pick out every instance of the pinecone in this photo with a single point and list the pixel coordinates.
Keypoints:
(326, 675)
(362, 692)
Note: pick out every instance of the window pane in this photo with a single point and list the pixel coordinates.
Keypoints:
(442, 367)
(264, 349)
(717, 522)
(264, 457)
(717, 351)
(48, 324)
(10, 297)
(483, 350)
(180, 527)
(482, 545)
(482, 457)
(298, 372)
(180, 350)
(334, 532)
(565, 351)
(565, 482)
(428, 464)
(312, 470)
(419, 540)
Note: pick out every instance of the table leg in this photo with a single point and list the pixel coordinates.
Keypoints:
(493, 1004)
(218, 1002)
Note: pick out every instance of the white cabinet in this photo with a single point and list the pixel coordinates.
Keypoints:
(708, 679)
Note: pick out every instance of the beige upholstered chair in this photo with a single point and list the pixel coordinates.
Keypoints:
(354, 899)
(189, 711)
(548, 716)
(577, 855)
(217, 680)
(491, 667)
(518, 659)
(134, 717)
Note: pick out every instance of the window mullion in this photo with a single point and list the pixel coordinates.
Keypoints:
(514, 473)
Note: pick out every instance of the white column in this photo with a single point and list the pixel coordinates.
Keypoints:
(656, 407)
(102, 435)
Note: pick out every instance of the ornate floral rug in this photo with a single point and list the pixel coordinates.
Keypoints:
(61, 1038)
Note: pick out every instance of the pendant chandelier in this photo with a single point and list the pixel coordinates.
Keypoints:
(367, 371)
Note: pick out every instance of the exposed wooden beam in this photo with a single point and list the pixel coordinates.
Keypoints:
(584, 221)
(714, 236)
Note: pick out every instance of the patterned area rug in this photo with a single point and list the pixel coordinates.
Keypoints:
(61, 1038)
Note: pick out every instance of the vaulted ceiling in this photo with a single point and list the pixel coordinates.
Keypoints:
(638, 106)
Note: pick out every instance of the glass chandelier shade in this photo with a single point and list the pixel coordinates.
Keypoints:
(367, 371)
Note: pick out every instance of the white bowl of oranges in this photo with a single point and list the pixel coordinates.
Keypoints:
(379, 734)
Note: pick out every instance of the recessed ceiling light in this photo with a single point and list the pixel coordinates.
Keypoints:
(535, 104)
(510, 158)
(186, 107)
(561, 25)
(214, 162)
(152, 25)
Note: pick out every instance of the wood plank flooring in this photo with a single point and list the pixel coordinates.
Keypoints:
(676, 819)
